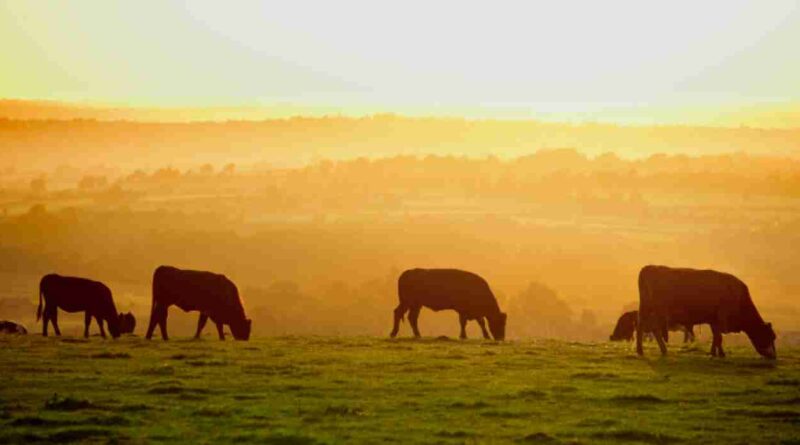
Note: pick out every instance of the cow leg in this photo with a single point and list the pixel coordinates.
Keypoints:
(100, 324)
(659, 335)
(716, 342)
(201, 323)
(87, 320)
(152, 325)
(220, 331)
(45, 320)
(462, 320)
(158, 316)
(54, 320)
(162, 322)
(413, 316)
(482, 324)
(399, 312)
(639, 333)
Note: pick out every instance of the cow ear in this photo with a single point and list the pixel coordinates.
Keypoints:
(769, 325)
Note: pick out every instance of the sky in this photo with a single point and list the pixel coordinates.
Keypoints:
(617, 59)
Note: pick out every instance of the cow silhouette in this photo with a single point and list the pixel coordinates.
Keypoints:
(12, 327)
(213, 295)
(73, 294)
(441, 289)
(689, 297)
(626, 328)
(127, 323)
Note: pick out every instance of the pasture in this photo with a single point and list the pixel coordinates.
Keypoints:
(304, 390)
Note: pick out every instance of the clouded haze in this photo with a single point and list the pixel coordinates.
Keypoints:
(602, 59)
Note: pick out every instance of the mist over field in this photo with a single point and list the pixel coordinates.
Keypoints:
(323, 226)
(280, 196)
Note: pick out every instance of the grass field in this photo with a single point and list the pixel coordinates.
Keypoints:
(298, 390)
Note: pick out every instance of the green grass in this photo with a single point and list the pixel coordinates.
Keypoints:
(305, 390)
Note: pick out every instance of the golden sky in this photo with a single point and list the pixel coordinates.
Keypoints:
(728, 62)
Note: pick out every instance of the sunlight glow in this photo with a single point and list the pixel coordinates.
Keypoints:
(586, 60)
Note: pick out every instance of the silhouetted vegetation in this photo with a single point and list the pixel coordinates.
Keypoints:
(559, 235)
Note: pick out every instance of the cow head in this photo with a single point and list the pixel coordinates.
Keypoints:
(127, 323)
(241, 329)
(113, 323)
(497, 324)
(626, 325)
(763, 338)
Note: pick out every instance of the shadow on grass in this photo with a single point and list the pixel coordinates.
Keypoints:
(63, 436)
(538, 437)
(631, 435)
(637, 400)
(177, 389)
(790, 415)
(58, 403)
(111, 355)
(782, 381)
(595, 376)
(458, 434)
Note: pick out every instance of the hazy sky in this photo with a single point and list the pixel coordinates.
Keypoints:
(405, 56)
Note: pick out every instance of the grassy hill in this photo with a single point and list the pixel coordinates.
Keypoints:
(297, 390)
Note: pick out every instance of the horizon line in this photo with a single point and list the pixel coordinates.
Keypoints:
(618, 114)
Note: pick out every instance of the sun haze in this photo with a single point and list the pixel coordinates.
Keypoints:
(713, 63)
(403, 221)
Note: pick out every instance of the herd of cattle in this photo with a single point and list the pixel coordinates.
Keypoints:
(669, 299)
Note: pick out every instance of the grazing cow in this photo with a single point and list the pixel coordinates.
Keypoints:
(213, 295)
(690, 297)
(626, 328)
(127, 323)
(439, 289)
(73, 294)
(12, 327)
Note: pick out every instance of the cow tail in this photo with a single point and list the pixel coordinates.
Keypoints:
(39, 309)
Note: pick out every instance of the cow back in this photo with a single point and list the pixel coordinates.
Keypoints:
(441, 289)
(691, 296)
(192, 290)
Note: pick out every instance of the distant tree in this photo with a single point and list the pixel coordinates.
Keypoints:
(207, 170)
(539, 311)
(167, 173)
(39, 185)
(89, 182)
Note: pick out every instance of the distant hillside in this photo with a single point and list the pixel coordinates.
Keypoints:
(43, 144)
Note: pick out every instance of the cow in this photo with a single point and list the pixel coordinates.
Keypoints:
(689, 297)
(213, 295)
(127, 323)
(12, 327)
(440, 289)
(626, 328)
(73, 294)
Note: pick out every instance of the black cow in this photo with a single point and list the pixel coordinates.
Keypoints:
(73, 294)
(12, 327)
(213, 295)
(440, 289)
(127, 323)
(690, 297)
(626, 328)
